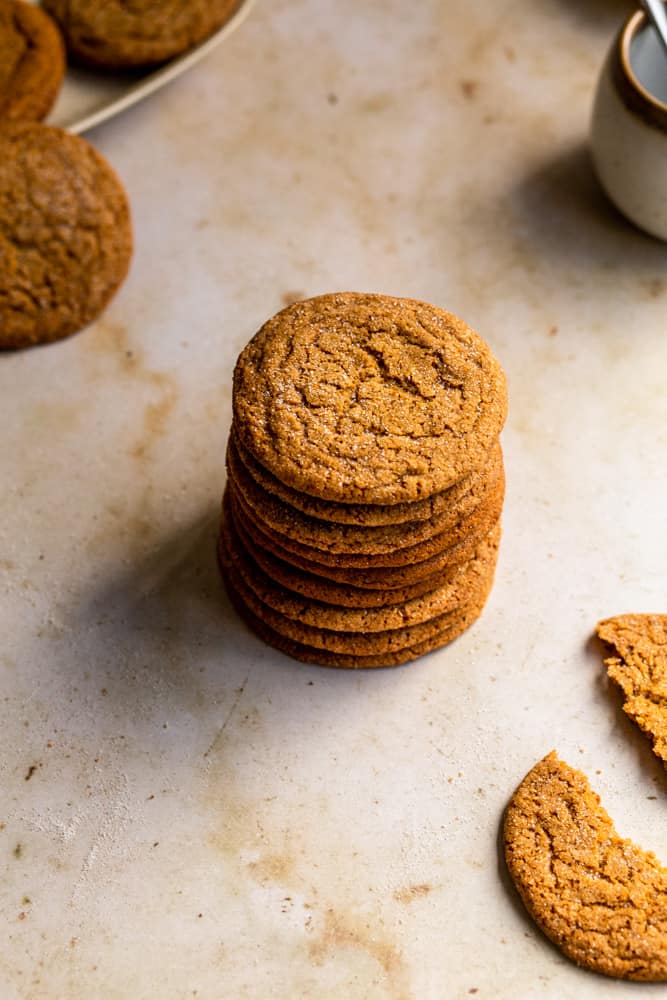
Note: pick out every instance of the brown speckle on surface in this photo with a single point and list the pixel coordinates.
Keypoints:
(412, 892)
(341, 932)
(553, 330)
(469, 89)
(156, 414)
(289, 297)
(31, 770)
(271, 868)
(332, 99)
(18, 851)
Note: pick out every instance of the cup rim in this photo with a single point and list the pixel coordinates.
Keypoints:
(628, 33)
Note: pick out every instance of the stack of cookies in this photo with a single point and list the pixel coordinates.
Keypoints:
(361, 519)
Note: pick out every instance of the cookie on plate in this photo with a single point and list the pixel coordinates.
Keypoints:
(65, 234)
(32, 61)
(602, 900)
(114, 34)
(639, 667)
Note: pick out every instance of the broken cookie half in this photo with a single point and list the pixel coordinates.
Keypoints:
(601, 899)
(639, 667)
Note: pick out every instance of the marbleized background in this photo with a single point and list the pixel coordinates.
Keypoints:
(184, 812)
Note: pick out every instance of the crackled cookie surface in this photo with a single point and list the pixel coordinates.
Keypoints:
(639, 667)
(602, 900)
(32, 61)
(65, 234)
(364, 398)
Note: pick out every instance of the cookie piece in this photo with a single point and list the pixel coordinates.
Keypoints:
(640, 670)
(364, 398)
(459, 591)
(320, 589)
(351, 643)
(65, 234)
(479, 522)
(325, 658)
(364, 515)
(602, 900)
(356, 540)
(32, 61)
(120, 35)
(379, 577)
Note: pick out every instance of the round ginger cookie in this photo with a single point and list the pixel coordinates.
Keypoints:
(602, 900)
(363, 515)
(65, 234)
(458, 592)
(374, 578)
(340, 642)
(320, 589)
(32, 62)
(325, 658)
(354, 539)
(365, 398)
(486, 514)
(114, 34)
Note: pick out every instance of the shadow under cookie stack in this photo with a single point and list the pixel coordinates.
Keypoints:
(361, 518)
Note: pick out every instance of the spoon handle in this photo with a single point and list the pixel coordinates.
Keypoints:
(658, 17)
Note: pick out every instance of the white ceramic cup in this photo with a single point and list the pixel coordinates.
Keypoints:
(629, 126)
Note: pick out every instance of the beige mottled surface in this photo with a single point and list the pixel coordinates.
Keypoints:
(327, 826)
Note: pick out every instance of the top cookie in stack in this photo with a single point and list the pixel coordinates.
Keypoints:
(365, 479)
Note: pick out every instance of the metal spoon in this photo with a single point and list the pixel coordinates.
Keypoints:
(658, 17)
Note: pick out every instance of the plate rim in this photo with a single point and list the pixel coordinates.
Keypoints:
(160, 77)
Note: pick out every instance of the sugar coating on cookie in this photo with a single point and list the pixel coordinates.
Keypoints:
(365, 398)
(471, 579)
(120, 35)
(330, 591)
(332, 537)
(474, 525)
(387, 577)
(65, 234)
(452, 628)
(640, 670)
(602, 900)
(365, 515)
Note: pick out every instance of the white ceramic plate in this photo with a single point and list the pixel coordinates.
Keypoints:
(88, 98)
